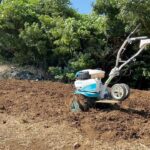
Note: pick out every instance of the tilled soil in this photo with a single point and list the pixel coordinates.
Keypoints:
(33, 115)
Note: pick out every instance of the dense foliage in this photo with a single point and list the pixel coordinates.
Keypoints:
(52, 35)
(122, 17)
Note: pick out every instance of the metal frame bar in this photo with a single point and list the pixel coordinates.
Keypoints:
(116, 70)
(131, 58)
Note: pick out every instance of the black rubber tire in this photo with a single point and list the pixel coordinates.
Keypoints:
(114, 91)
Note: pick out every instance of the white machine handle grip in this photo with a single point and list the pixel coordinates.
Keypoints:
(138, 38)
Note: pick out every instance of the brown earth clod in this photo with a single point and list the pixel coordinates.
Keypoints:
(35, 112)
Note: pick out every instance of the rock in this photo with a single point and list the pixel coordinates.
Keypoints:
(2, 107)
(25, 121)
(76, 145)
(4, 121)
(21, 75)
(24, 75)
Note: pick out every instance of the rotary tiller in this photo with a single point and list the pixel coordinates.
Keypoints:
(89, 87)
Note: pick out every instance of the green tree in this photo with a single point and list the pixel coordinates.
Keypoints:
(50, 33)
(123, 16)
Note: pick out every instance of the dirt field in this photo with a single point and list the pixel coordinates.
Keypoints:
(33, 116)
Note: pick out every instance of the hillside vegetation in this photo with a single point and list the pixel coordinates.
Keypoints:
(50, 34)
